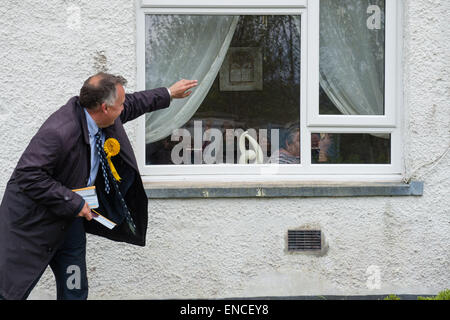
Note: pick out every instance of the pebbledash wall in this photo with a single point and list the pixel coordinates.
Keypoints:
(235, 247)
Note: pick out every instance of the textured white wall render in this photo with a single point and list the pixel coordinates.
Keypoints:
(208, 248)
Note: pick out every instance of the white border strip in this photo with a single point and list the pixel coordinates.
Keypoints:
(223, 4)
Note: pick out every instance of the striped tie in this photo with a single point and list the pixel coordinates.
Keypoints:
(106, 170)
(100, 152)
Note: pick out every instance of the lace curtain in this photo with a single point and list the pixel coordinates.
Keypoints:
(352, 56)
(189, 47)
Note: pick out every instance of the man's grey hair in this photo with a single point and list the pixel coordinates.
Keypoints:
(291, 133)
(100, 88)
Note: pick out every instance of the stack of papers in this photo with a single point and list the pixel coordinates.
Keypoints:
(104, 221)
(89, 195)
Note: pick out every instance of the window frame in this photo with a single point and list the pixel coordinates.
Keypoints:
(310, 121)
(389, 119)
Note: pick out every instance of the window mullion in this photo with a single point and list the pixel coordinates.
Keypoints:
(305, 142)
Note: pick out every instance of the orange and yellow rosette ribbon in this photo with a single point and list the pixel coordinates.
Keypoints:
(112, 148)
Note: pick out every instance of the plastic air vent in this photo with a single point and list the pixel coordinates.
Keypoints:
(304, 240)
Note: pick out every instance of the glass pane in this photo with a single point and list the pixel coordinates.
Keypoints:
(350, 148)
(246, 108)
(352, 57)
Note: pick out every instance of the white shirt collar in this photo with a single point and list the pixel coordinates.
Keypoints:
(92, 126)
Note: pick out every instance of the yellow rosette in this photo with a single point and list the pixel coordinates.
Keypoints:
(112, 148)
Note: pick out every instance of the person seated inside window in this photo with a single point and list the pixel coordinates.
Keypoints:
(289, 151)
(323, 148)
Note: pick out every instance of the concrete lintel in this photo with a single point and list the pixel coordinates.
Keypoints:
(414, 188)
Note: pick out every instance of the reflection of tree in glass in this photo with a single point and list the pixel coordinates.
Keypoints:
(278, 102)
(280, 40)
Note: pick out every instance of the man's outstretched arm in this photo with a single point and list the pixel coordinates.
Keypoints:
(138, 103)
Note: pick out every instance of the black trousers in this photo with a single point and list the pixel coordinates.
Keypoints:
(69, 265)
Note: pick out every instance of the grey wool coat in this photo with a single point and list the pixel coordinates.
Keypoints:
(38, 205)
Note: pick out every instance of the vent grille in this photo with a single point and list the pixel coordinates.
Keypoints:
(304, 240)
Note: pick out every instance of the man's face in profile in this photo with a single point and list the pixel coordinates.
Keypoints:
(114, 111)
(294, 147)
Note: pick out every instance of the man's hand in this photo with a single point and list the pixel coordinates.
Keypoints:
(86, 212)
(178, 89)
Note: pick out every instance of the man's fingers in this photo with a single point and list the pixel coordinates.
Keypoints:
(188, 86)
(189, 82)
(179, 89)
(192, 83)
(191, 86)
(88, 215)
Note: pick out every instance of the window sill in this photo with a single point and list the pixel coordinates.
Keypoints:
(181, 190)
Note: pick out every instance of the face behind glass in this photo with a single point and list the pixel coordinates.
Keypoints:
(294, 147)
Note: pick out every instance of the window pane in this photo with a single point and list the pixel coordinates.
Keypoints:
(352, 57)
(248, 69)
(350, 148)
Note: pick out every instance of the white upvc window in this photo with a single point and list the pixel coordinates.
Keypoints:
(288, 90)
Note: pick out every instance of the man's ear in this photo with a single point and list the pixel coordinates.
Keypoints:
(104, 108)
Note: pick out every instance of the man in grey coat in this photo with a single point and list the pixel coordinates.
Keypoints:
(42, 221)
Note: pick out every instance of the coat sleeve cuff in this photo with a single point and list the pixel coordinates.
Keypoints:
(77, 211)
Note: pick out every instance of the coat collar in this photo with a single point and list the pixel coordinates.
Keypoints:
(82, 118)
(91, 125)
